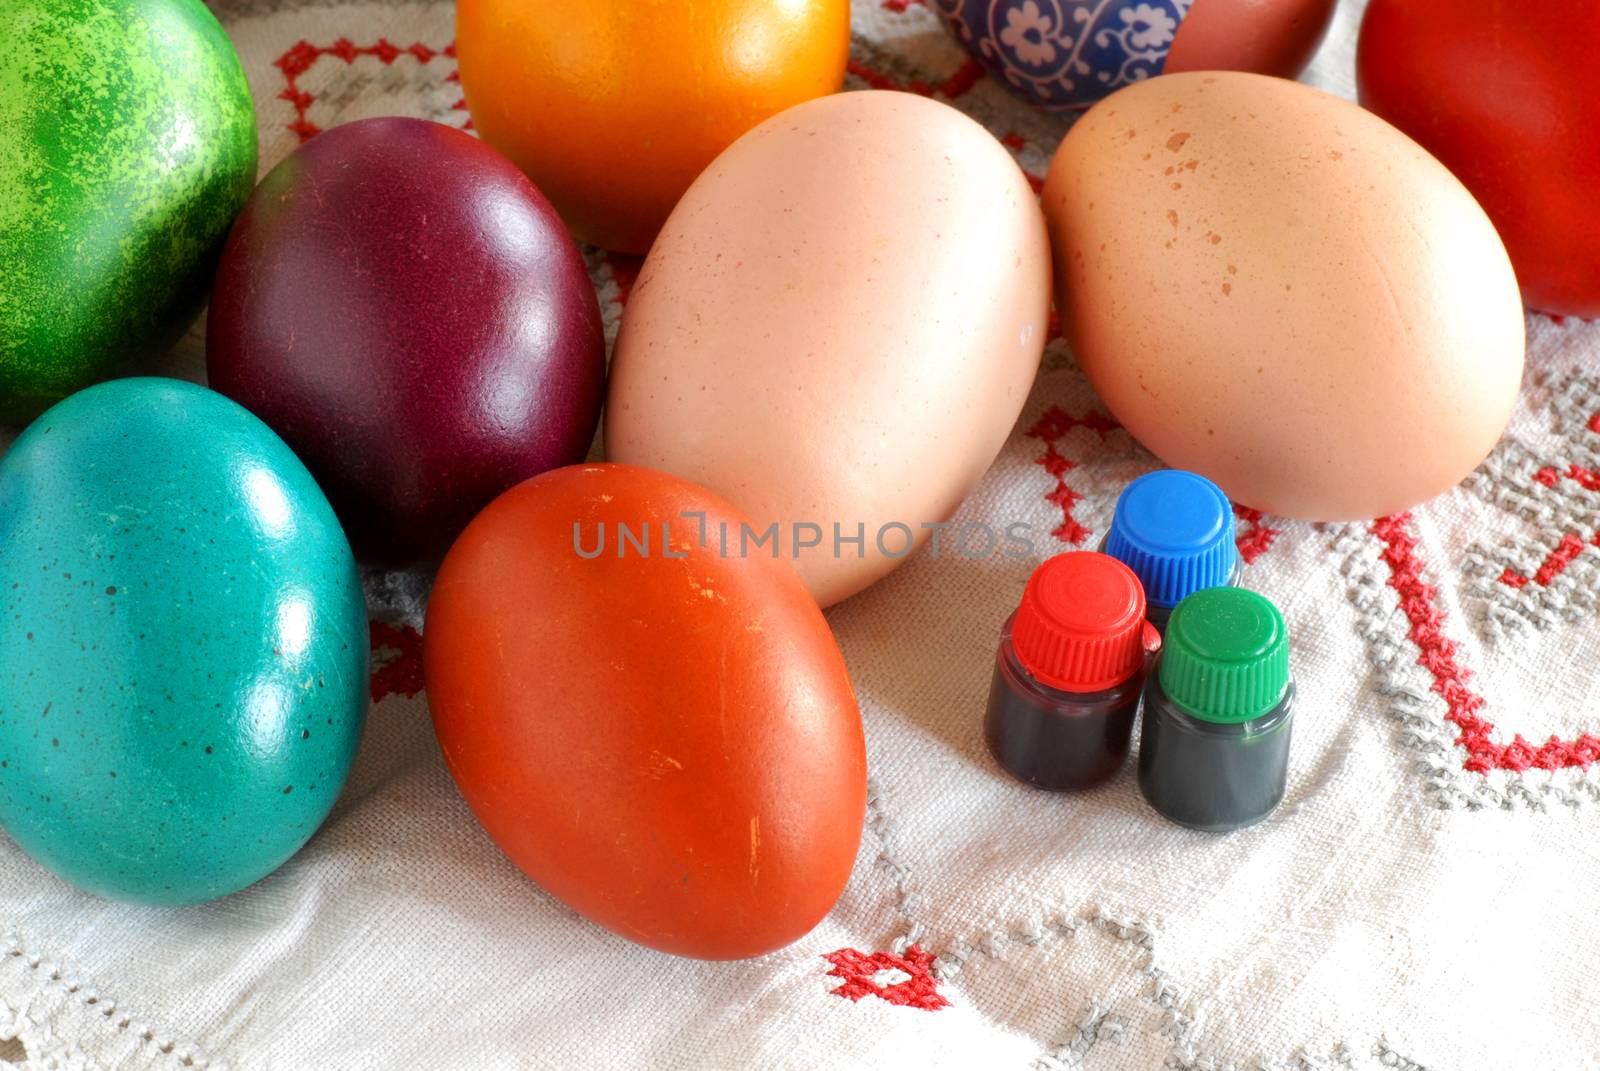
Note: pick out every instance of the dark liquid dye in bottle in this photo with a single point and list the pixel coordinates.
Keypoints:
(1218, 713)
(1068, 674)
(1061, 741)
(1208, 776)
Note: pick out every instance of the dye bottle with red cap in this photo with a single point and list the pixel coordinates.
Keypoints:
(1068, 673)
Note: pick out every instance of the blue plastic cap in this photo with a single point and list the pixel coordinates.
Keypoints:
(1174, 529)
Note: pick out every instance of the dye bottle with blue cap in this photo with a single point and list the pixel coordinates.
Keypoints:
(1218, 712)
(1174, 529)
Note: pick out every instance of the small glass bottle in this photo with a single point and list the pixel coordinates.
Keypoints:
(1174, 529)
(1218, 710)
(1069, 672)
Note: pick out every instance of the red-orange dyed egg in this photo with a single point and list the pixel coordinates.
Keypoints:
(661, 734)
(1507, 96)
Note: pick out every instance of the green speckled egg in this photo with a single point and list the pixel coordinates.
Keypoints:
(127, 146)
(183, 644)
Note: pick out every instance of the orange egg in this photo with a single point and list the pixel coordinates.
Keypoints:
(653, 723)
(612, 107)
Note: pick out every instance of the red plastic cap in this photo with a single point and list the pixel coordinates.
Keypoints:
(1081, 625)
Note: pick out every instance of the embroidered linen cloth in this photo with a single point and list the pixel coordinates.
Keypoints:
(1425, 896)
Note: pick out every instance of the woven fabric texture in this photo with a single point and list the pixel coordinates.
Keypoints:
(1425, 896)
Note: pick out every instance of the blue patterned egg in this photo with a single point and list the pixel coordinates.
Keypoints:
(1066, 54)
(183, 644)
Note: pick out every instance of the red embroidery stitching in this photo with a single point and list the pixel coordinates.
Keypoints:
(965, 77)
(1569, 548)
(1056, 422)
(455, 76)
(1571, 545)
(1513, 580)
(624, 272)
(396, 661)
(1588, 479)
(1554, 564)
(1069, 530)
(1049, 428)
(304, 55)
(1257, 538)
(1437, 654)
(919, 990)
(898, 6)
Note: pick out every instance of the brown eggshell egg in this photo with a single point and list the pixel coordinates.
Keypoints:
(838, 325)
(662, 736)
(1272, 287)
(1266, 36)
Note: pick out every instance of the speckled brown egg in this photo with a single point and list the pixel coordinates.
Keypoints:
(1272, 287)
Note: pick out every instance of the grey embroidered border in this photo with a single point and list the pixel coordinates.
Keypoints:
(1097, 1024)
(1508, 481)
(906, 901)
(53, 1011)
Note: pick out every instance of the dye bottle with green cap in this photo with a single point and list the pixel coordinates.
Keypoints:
(1174, 529)
(1218, 710)
(1068, 673)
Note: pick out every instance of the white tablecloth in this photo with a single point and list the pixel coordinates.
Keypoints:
(1426, 895)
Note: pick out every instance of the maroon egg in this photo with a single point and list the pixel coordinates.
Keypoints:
(402, 305)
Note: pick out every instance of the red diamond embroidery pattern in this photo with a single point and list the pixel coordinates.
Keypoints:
(904, 980)
(396, 661)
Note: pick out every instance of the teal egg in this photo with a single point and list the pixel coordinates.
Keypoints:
(127, 146)
(183, 644)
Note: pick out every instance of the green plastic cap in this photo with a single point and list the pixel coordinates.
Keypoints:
(1226, 656)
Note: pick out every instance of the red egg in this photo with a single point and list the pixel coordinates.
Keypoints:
(649, 716)
(407, 311)
(1507, 96)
